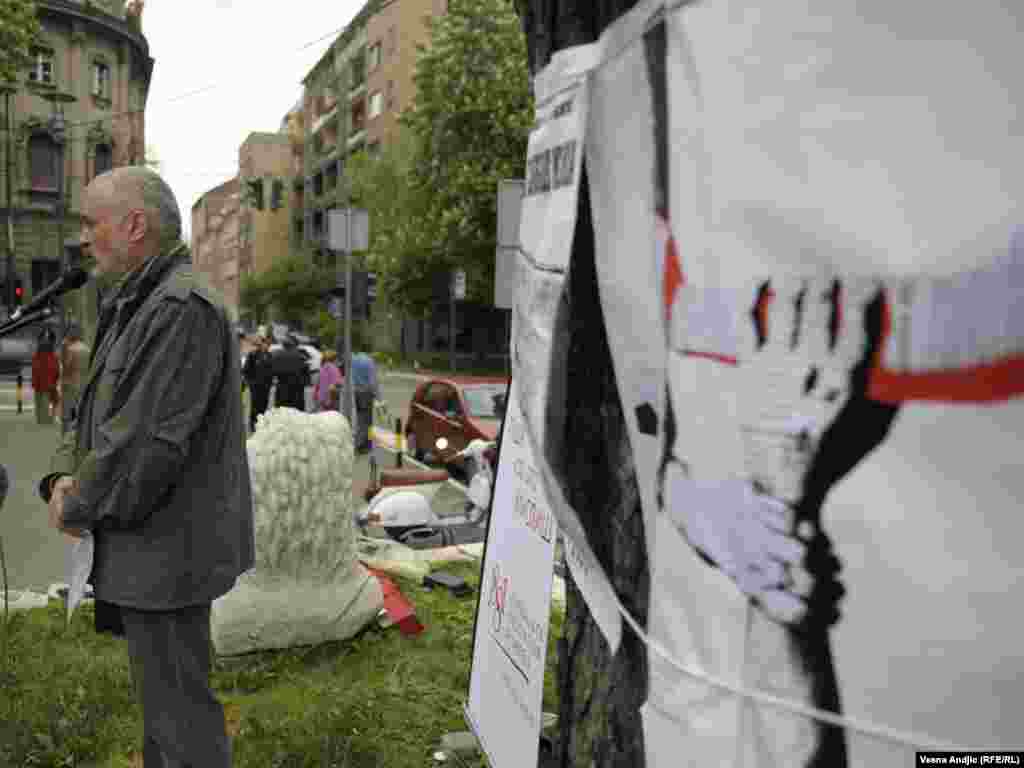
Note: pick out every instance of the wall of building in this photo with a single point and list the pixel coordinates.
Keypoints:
(265, 234)
(76, 38)
(215, 240)
(397, 28)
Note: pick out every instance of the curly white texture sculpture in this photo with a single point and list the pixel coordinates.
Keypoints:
(306, 586)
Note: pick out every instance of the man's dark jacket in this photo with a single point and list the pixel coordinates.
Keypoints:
(158, 451)
(259, 371)
(292, 371)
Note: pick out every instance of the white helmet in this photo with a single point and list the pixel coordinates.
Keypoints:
(399, 509)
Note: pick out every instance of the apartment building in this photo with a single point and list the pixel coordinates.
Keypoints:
(215, 239)
(76, 111)
(351, 101)
(352, 98)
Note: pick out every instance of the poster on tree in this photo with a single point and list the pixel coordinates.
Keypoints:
(510, 640)
(810, 252)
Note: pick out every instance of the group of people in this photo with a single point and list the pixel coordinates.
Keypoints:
(289, 368)
(57, 379)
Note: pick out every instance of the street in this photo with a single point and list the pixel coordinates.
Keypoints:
(34, 552)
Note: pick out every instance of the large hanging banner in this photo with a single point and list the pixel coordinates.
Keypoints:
(810, 265)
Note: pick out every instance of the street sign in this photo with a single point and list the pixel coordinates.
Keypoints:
(339, 223)
(459, 284)
(510, 205)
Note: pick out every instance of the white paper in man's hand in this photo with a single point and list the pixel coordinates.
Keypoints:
(79, 566)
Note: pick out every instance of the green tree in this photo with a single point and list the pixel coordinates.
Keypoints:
(294, 287)
(19, 29)
(469, 124)
(398, 243)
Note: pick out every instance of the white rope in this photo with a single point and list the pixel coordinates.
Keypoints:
(864, 727)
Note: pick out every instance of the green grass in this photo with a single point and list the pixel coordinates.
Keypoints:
(380, 699)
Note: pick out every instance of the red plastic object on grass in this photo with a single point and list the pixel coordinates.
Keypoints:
(397, 607)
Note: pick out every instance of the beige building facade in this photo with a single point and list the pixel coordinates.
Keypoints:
(76, 111)
(216, 218)
(264, 171)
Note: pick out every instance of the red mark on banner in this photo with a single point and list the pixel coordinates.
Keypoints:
(983, 382)
(759, 313)
(673, 278)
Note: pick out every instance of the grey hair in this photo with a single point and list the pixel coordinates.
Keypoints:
(159, 201)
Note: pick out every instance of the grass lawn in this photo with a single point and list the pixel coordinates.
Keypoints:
(380, 699)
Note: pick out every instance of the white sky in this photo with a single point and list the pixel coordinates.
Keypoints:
(247, 54)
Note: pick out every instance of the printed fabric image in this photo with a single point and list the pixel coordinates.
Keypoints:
(774, 393)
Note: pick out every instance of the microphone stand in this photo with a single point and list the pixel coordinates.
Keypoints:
(11, 326)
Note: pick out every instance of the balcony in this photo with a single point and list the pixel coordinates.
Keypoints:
(326, 117)
(356, 139)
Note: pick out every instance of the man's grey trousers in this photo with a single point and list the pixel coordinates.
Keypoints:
(171, 656)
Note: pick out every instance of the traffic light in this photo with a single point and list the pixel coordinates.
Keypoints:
(255, 193)
(19, 292)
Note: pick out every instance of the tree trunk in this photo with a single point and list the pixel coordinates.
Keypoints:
(601, 694)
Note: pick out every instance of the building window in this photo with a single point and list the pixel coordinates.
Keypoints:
(376, 103)
(101, 80)
(43, 155)
(373, 60)
(42, 67)
(104, 160)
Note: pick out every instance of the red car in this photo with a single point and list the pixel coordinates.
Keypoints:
(458, 410)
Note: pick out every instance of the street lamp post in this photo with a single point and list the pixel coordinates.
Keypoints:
(58, 126)
(8, 91)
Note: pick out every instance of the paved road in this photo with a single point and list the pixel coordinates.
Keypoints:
(33, 551)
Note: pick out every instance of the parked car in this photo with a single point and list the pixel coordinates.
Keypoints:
(457, 410)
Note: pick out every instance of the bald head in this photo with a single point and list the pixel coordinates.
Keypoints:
(140, 218)
(136, 186)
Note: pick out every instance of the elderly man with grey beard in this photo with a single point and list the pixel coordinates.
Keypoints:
(154, 467)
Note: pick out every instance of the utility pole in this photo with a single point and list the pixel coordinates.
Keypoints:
(58, 128)
(8, 91)
(348, 229)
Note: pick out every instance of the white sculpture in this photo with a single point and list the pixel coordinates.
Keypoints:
(307, 587)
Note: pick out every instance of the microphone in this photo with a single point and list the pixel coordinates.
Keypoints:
(69, 281)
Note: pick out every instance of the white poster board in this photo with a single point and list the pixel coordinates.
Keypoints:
(510, 642)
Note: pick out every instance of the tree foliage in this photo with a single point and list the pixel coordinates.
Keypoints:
(19, 30)
(469, 127)
(294, 286)
(399, 244)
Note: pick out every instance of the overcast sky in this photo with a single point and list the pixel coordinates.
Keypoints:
(247, 57)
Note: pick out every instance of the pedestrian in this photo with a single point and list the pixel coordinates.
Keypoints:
(74, 364)
(45, 377)
(156, 469)
(366, 389)
(291, 369)
(259, 375)
(328, 383)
